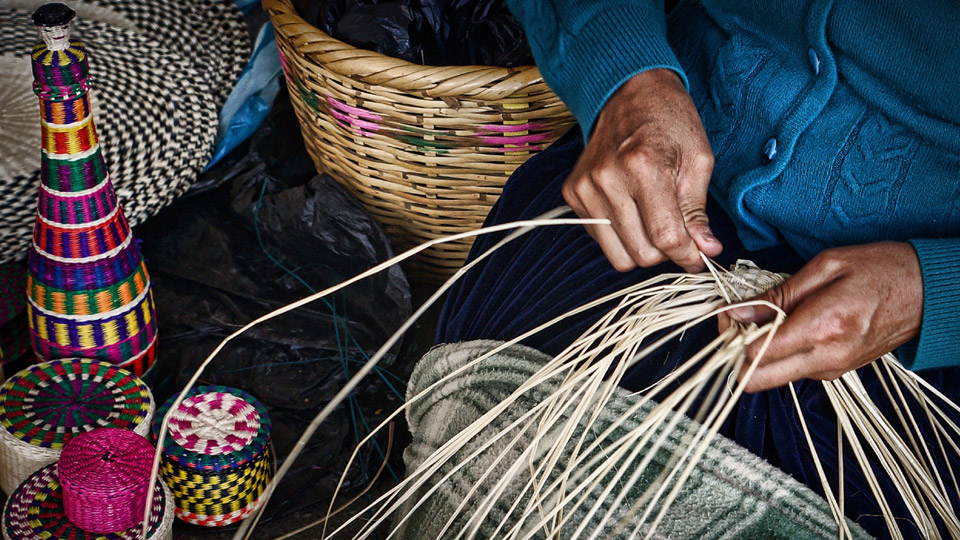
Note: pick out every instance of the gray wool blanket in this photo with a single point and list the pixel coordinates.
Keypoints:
(731, 493)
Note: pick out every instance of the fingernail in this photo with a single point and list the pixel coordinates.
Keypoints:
(708, 236)
(742, 314)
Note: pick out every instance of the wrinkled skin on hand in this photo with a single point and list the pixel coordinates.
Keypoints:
(646, 168)
(845, 308)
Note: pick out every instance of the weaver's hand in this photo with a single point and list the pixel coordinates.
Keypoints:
(646, 168)
(845, 308)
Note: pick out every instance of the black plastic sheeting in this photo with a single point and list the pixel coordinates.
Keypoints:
(429, 32)
(256, 235)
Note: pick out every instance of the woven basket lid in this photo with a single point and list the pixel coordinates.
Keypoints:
(35, 512)
(160, 70)
(47, 404)
(214, 428)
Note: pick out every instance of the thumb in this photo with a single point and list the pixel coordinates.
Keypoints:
(782, 296)
(693, 207)
(787, 296)
(698, 227)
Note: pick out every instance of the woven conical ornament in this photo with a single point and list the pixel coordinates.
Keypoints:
(88, 289)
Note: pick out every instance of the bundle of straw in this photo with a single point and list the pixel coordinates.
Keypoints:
(549, 464)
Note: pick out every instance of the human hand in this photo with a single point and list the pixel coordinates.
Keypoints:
(845, 308)
(646, 168)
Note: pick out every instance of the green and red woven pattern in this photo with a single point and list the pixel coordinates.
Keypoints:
(73, 176)
(88, 293)
(48, 404)
(95, 205)
(35, 512)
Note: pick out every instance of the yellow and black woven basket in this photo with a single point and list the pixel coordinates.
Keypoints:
(426, 149)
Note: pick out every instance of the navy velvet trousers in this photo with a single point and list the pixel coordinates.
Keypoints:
(555, 269)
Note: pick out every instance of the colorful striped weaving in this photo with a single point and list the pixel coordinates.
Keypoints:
(217, 459)
(88, 290)
(36, 511)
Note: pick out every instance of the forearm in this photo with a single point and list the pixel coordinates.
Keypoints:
(586, 49)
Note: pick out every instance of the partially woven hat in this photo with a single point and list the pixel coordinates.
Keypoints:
(160, 70)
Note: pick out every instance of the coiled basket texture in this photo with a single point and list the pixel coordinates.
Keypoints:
(426, 149)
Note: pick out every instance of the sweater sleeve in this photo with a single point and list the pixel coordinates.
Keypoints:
(586, 49)
(939, 342)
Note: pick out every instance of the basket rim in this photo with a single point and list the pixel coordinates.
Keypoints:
(283, 14)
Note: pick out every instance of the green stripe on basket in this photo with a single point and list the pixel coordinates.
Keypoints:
(76, 179)
(424, 145)
(421, 131)
(308, 96)
(89, 298)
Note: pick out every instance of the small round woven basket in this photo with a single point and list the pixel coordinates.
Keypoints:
(35, 511)
(46, 405)
(216, 456)
(104, 474)
(426, 149)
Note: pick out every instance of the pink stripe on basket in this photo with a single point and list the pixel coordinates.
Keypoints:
(349, 109)
(355, 131)
(498, 128)
(518, 148)
(236, 407)
(363, 124)
(284, 63)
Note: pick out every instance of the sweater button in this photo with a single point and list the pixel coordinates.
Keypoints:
(814, 61)
(770, 149)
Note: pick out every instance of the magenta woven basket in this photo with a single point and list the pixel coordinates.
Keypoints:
(104, 474)
(35, 512)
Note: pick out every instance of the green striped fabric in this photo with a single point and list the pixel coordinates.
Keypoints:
(731, 494)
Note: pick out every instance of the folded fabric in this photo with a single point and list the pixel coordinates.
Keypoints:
(731, 494)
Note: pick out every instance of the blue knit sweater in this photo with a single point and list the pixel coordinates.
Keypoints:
(833, 122)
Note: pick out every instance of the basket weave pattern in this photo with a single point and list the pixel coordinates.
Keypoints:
(46, 405)
(216, 459)
(426, 149)
(35, 511)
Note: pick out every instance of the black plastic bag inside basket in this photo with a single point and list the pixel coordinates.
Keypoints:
(430, 32)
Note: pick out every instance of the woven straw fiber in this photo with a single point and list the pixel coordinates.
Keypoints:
(426, 149)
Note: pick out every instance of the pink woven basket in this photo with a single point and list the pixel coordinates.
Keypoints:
(104, 474)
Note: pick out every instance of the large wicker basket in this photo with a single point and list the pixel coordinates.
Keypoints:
(426, 149)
